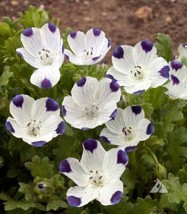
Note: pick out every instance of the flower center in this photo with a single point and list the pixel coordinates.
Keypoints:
(96, 178)
(87, 53)
(128, 132)
(34, 128)
(91, 111)
(46, 57)
(137, 73)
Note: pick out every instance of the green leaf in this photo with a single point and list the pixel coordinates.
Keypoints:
(4, 78)
(164, 46)
(40, 167)
(54, 205)
(147, 205)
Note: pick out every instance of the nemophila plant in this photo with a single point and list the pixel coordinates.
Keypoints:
(135, 106)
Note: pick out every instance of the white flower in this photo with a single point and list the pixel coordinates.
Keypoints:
(177, 86)
(43, 49)
(138, 68)
(36, 122)
(89, 48)
(97, 175)
(91, 103)
(128, 127)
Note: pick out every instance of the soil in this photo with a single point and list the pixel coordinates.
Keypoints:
(123, 21)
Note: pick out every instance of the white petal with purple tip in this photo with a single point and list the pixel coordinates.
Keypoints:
(51, 73)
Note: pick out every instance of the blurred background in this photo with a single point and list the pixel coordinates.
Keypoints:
(124, 21)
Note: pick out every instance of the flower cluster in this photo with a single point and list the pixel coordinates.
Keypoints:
(92, 103)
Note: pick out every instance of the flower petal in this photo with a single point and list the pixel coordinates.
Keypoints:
(15, 129)
(79, 196)
(111, 193)
(46, 77)
(93, 155)
(114, 163)
(77, 42)
(122, 58)
(50, 36)
(43, 108)
(83, 94)
(30, 59)
(97, 41)
(141, 55)
(31, 40)
(73, 170)
(20, 108)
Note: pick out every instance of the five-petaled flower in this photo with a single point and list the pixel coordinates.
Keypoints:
(89, 48)
(35, 121)
(138, 68)
(43, 49)
(91, 103)
(128, 127)
(97, 175)
(177, 86)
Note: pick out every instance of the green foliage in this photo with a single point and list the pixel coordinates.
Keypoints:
(164, 46)
(30, 181)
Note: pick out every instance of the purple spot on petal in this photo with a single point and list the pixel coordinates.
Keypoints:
(81, 82)
(96, 31)
(174, 79)
(109, 43)
(84, 128)
(52, 27)
(60, 129)
(122, 157)
(96, 58)
(105, 139)
(136, 109)
(164, 72)
(176, 65)
(73, 201)
(147, 45)
(116, 197)
(110, 77)
(67, 57)
(18, 100)
(114, 86)
(65, 166)
(46, 83)
(150, 129)
(118, 52)
(90, 144)
(62, 49)
(64, 110)
(130, 148)
(73, 34)
(184, 45)
(51, 105)
(38, 143)
(28, 32)
(138, 92)
(112, 116)
(19, 54)
(9, 127)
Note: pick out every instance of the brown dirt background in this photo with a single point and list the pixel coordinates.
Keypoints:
(124, 21)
